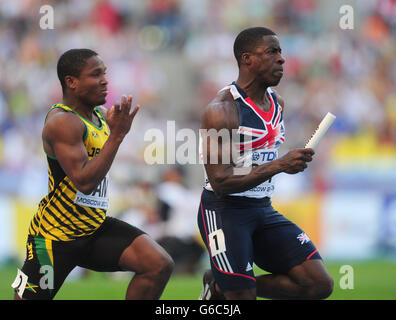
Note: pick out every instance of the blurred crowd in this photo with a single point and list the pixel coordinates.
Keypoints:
(173, 56)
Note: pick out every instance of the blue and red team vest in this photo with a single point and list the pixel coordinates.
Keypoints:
(260, 133)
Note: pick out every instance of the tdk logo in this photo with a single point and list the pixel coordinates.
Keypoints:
(264, 156)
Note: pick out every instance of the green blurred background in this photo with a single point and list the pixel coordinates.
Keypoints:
(173, 56)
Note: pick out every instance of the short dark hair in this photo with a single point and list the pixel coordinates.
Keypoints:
(71, 63)
(248, 38)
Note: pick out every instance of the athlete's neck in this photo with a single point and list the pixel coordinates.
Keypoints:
(255, 91)
(82, 109)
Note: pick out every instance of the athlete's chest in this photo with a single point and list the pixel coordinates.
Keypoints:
(96, 137)
(259, 129)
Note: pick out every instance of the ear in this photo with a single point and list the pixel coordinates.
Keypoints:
(246, 58)
(71, 82)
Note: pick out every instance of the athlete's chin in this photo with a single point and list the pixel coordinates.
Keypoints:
(276, 81)
(272, 81)
(100, 102)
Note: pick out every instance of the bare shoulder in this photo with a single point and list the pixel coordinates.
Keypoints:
(221, 112)
(62, 125)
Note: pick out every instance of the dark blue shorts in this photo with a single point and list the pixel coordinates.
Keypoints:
(240, 231)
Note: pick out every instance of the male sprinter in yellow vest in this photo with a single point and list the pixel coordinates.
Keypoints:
(70, 228)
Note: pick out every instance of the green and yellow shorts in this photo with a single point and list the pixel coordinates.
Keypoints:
(49, 262)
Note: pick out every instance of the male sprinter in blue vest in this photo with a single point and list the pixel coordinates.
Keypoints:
(236, 219)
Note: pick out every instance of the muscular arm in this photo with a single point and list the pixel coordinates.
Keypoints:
(63, 138)
(222, 114)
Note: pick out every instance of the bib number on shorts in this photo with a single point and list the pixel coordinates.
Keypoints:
(217, 242)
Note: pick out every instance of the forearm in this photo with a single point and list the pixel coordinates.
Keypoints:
(235, 180)
(94, 170)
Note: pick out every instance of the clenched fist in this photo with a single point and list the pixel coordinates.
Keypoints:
(296, 160)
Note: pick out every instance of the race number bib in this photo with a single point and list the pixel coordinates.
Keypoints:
(253, 159)
(260, 157)
(97, 199)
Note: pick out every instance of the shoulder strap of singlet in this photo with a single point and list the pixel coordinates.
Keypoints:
(58, 105)
(99, 114)
(233, 90)
(236, 95)
(273, 95)
(68, 109)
